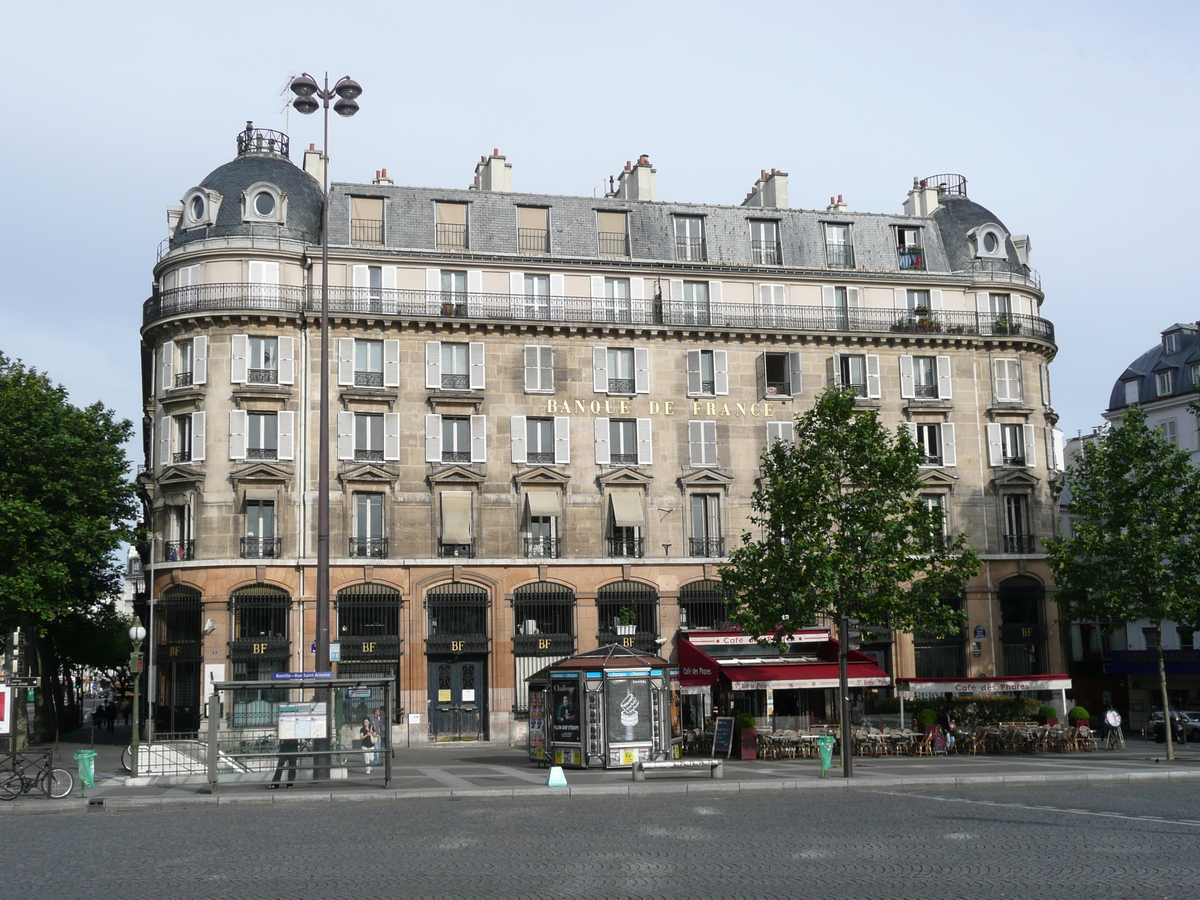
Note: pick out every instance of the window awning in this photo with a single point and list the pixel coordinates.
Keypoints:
(544, 503)
(263, 494)
(970, 686)
(456, 517)
(776, 671)
(627, 508)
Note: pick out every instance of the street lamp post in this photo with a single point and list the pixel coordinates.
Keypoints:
(137, 634)
(308, 92)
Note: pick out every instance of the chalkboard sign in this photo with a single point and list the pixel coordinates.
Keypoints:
(723, 737)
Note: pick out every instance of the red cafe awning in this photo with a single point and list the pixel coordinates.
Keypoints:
(697, 669)
(972, 686)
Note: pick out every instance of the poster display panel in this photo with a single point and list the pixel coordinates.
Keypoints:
(564, 720)
(627, 703)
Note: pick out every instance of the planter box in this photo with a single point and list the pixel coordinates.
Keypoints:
(626, 629)
(746, 742)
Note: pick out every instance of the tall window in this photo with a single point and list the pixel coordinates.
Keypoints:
(930, 444)
(623, 449)
(368, 363)
(853, 372)
(262, 360)
(539, 369)
(537, 296)
(617, 304)
(707, 373)
(625, 604)
(695, 303)
(707, 538)
(925, 377)
(704, 604)
(369, 540)
(702, 442)
(1017, 538)
(1000, 304)
(839, 251)
(451, 226)
(368, 436)
(1012, 444)
(1162, 384)
(454, 293)
(182, 438)
(689, 238)
(940, 654)
(533, 229)
(366, 221)
(539, 436)
(260, 541)
(262, 435)
(918, 301)
(611, 234)
(908, 248)
(621, 378)
(1007, 380)
(764, 242)
(179, 545)
(1022, 602)
(456, 367)
(260, 648)
(456, 439)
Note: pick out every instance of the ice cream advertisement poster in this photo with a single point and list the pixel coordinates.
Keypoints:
(627, 702)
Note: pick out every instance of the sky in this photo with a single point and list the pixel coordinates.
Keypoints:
(1075, 123)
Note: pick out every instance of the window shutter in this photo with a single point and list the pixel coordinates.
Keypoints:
(345, 435)
(1000, 379)
(516, 285)
(853, 298)
(199, 360)
(795, 373)
(390, 304)
(780, 431)
(760, 373)
(478, 439)
(237, 434)
(168, 365)
(694, 385)
(519, 439)
(239, 353)
(1030, 446)
(362, 286)
(675, 285)
(603, 450)
(645, 443)
(1058, 450)
(900, 298)
(598, 302)
(391, 437)
(935, 299)
(433, 366)
(716, 306)
(391, 363)
(907, 387)
(478, 366)
(641, 370)
(285, 421)
(558, 302)
(164, 440)
(345, 361)
(710, 443)
(945, 378)
(474, 292)
(433, 438)
(949, 450)
(546, 367)
(696, 442)
(995, 451)
(833, 369)
(911, 428)
(286, 348)
(983, 310)
(600, 370)
(827, 296)
(637, 300)
(533, 380)
(198, 441)
(433, 291)
(562, 439)
(1044, 372)
(874, 388)
(721, 372)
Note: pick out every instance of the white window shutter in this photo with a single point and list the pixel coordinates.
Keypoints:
(391, 437)
(433, 438)
(168, 365)
(199, 360)
(285, 421)
(433, 366)
(907, 381)
(945, 378)
(675, 285)
(600, 370)
(516, 284)
(827, 296)
(389, 287)
(478, 366)
(983, 311)
(286, 352)
(433, 291)
(546, 367)
(900, 298)
(239, 358)
(345, 361)
(165, 425)
(391, 363)
(237, 434)
(1058, 450)
(710, 443)
(911, 428)
(874, 384)
(478, 439)
(716, 307)
(597, 287)
(1044, 372)
(721, 372)
(795, 373)
(775, 432)
(345, 435)
(475, 292)
(833, 369)
(1030, 446)
(641, 370)
(558, 302)
(362, 284)
(935, 299)
(198, 437)
(949, 450)
(603, 450)
(694, 385)
(853, 298)
(645, 443)
(995, 450)
(637, 300)
(562, 439)
(519, 439)
(533, 381)
(696, 442)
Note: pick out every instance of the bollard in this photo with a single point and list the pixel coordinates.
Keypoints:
(825, 748)
(86, 761)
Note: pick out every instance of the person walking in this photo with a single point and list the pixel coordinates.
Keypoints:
(377, 724)
(368, 738)
(288, 750)
(110, 716)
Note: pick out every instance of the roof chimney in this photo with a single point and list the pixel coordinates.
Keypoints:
(769, 191)
(382, 178)
(314, 163)
(922, 198)
(636, 182)
(836, 205)
(492, 173)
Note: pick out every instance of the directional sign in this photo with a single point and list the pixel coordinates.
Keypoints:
(23, 682)
(300, 676)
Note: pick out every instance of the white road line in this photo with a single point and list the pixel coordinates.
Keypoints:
(1158, 820)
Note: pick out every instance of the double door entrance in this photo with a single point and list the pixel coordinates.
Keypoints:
(457, 698)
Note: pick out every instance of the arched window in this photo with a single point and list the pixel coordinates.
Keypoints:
(457, 618)
(177, 631)
(1023, 629)
(628, 615)
(704, 604)
(260, 648)
(544, 626)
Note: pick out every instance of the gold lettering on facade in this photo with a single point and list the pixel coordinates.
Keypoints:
(669, 408)
(624, 407)
(754, 409)
(595, 407)
(543, 643)
(695, 407)
(725, 409)
(260, 648)
(654, 407)
(741, 409)
(456, 646)
(608, 407)
(368, 647)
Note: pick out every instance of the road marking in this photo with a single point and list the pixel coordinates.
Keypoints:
(1157, 820)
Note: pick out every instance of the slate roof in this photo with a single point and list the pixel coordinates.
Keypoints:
(1146, 367)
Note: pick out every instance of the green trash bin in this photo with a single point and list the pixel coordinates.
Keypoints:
(86, 760)
(825, 748)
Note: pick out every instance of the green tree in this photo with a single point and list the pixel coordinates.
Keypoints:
(1132, 551)
(65, 507)
(844, 533)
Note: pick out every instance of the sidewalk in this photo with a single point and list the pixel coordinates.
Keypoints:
(458, 771)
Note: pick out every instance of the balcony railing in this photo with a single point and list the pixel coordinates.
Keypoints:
(451, 237)
(368, 379)
(612, 243)
(261, 548)
(456, 551)
(262, 376)
(706, 546)
(840, 256)
(533, 240)
(622, 386)
(409, 304)
(262, 453)
(181, 456)
(368, 548)
(366, 231)
(765, 253)
(689, 249)
(368, 455)
(456, 382)
(183, 379)
(178, 551)
(634, 548)
(456, 456)
(543, 548)
(911, 258)
(1019, 543)
(925, 391)
(540, 457)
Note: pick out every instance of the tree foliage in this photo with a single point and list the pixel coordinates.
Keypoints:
(844, 531)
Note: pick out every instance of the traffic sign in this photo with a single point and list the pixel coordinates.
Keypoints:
(22, 682)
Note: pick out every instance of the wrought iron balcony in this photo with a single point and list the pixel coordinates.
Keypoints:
(262, 140)
(420, 304)
(633, 548)
(183, 379)
(613, 243)
(1017, 462)
(262, 453)
(451, 237)
(178, 551)
(456, 382)
(779, 388)
(931, 459)
(368, 379)
(182, 456)
(623, 459)
(706, 546)
(542, 458)
(456, 456)
(368, 548)
(621, 386)
(366, 231)
(543, 548)
(1019, 543)
(765, 253)
(261, 548)
(369, 455)
(262, 376)
(689, 249)
(533, 240)
(925, 391)
(840, 256)
(456, 551)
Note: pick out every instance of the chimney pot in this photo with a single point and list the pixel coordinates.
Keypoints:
(495, 151)
(832, 201)
(839, 198)
(628, 165)
(385, 173)
(312, 146)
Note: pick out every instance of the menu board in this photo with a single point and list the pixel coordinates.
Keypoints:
(723, 736)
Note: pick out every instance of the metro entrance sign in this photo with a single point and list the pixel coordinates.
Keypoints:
(301, 676)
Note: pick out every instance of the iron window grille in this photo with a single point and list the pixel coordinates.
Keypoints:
(543, 547)
(632, 601)
(451, 236)
(456, 615)
(262, 376)
(707, 546)
(623, 546)
(182, 456)
(544, 620)
(368, 379)
(840, 256)
(704, 604)
(457, 551)
(766, 253)
(183, 379)
(368, 624)
(1019, 543)
(533, 240)
(262, 453)
(260, 613)
(613, 243)
(366, 231)
(178, 618)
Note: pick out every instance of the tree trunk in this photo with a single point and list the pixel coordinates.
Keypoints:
(1162, 683)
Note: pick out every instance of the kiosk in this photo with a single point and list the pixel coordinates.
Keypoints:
(605, 708)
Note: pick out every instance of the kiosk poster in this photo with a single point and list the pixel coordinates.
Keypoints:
(628, 709)
(537, 725)
(5, 710)
(564, 720)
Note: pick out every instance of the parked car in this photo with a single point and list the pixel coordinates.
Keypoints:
(1185, 725)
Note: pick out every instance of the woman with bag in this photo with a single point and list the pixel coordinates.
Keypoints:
(368, 737)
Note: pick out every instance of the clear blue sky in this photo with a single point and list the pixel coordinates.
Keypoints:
(1075, 123)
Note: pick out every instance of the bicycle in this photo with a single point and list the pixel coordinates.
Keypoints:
(53, 782)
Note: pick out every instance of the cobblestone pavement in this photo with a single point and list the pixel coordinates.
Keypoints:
(1058, 841)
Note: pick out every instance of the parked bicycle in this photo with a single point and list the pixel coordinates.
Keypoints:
(21, 773)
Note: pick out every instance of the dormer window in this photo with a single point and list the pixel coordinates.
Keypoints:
(1171, 342)
(264, 203)
(1162, 383)
(200, 207)
(989, 241)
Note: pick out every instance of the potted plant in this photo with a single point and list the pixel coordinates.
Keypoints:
(1078, 717)
(927, 719)
(628, 620)
(1048, 715)
(745, 736)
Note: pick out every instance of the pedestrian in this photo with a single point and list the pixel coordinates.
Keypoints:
(98, 717)
(110, 716)
(377, 724)
(289, 749)
(126, 706)
(949, 726)
(368, 738)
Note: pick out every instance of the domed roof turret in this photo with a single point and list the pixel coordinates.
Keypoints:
(1173, 356)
